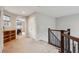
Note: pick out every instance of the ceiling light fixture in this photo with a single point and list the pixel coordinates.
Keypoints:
(23, 12)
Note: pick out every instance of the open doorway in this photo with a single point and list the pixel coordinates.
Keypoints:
(21, 26)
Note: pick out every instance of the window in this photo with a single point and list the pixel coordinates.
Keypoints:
(7, 22)
(19, 23)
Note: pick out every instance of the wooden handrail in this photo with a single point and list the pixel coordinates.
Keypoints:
(71, 37)
(68, 36)
(63, 36)
(58, 30)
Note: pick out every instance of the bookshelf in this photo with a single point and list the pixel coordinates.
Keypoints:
(9, 35)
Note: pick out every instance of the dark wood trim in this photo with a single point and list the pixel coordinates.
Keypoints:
(62, 42)
(58, 30)
(68, 41)
(49, 35)
(63, 35)
(71, 37)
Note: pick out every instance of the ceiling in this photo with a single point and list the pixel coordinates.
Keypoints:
(54, 11)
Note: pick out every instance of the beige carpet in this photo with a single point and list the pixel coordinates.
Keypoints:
(28, 45)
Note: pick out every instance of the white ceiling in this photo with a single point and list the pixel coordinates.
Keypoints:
(54, 11)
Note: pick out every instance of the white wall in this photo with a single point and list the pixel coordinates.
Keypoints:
(38, 25)
(32, 26)
(44, 22)
(71, 22)
(13, 20)
(24, 26)
(1, 31)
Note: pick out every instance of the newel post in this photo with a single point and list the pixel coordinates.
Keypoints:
(48, 35)
(68, 40)
(62, 42)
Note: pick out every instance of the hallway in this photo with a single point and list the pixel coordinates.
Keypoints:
(28, 45)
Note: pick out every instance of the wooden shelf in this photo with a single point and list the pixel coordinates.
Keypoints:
(9, 35)
(6, 35)
(12, 34)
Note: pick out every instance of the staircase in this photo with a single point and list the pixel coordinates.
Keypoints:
(66, 43)
(53, 39)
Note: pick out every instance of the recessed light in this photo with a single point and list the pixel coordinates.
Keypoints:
(23, 12)
(5, 9)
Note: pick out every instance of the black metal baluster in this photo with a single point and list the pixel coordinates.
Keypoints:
(78, 47)
(54, 39)
(70, 46)
(65, 45)
(73, 47)
(68, 42)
